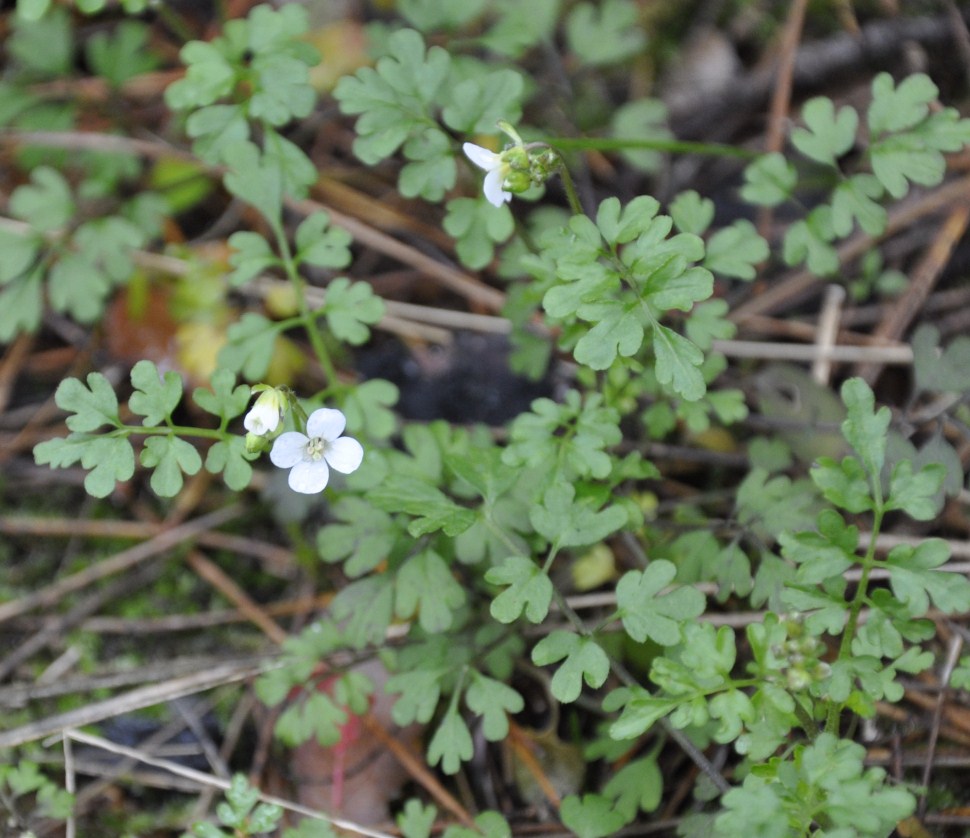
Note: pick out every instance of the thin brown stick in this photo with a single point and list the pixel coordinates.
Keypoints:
(417, 769)
(215, 576)
(796, 286)
(925, 276)
(56, 629)
(828, 327)
(781, 95)
(209, 780)
(952, 655)
(122, 561)
(215, 676)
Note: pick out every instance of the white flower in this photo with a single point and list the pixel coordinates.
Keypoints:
(310, 456)
(264, 416)
(497, 168)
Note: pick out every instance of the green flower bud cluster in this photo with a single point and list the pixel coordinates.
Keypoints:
(529, 166)
(801, 655)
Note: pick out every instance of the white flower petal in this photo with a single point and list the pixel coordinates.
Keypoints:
(345, 454)
(262, 419)
(326, 422)
(309, 477)
(288, 449)
(481, 157)
(492, 188)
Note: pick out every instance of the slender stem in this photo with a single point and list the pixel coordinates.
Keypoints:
(173, 430)
(675, 146)
(845, 647)
(570, 187)
(307, 316)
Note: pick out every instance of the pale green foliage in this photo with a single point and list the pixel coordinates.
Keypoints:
(241, 812)
(465, 537)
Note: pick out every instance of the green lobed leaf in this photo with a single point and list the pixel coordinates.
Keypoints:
(914, 578)
(432, 509)
(155, 396)
(431, 171)
(250, 345)
(855, 199)
(110, 459)
(735, 251)
(256, 179)
(350, 308)
(415, 819)
(169, 456)
(864, 427)
(393, 98)
(452, 742)
(367, 408)
(691, 213)
(678, 362)
(916, 493)
(591, 816)
(226, 399)
(604, 33)
(475, 105)
(321, 244)
(641, 711)
(809, 241)
(420, 690)
(232, 459)
(567, 523)
(530, 590)
(827, 135)
(769, 181)
(585, 660)
(477, 227)
(362, 541)
(648, 613)
(425, 586)
(93, 405)
(618, 332)
(636, 787)
(896, 108)
(822, 555)
(45, 203)
(493, 701)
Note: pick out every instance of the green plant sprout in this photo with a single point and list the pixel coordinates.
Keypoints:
(466, 540)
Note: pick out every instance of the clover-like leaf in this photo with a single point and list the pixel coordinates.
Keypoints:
(914, 578)
(255, 179)
(585, 660)
(591, 816)
(92, 406)
(864, 427)
(493, 701)
(321, 244)
(529, 591)
(110, 459)
(452, 742)
(769, 180)
(351, 307)
(231, 458)
(426, 587)
(169, 456)
(251, 255)
(566, 523)
(648, 613)
(155, 396)
(734, 251)
(827, 135)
